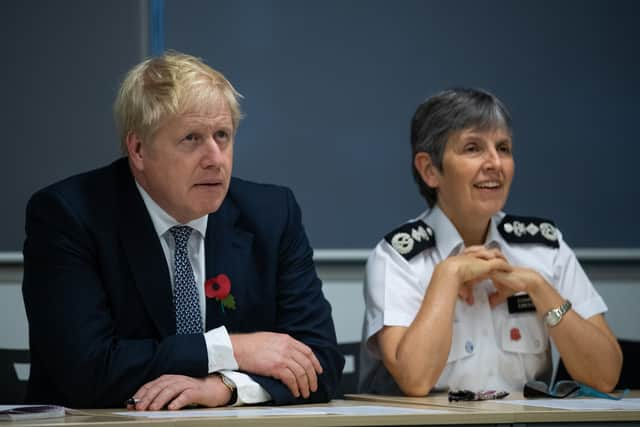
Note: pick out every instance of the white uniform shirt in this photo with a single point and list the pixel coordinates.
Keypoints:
(490, 348)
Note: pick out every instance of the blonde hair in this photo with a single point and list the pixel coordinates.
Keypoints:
(164, 86)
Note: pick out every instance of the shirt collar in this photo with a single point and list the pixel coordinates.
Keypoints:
(162, 221)
(494, 238)
(449, 241)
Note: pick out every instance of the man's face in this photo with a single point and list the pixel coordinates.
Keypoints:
(186, 166)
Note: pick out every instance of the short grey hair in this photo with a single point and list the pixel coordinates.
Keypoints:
(450, 111)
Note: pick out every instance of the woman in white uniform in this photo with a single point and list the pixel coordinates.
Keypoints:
(464, 296)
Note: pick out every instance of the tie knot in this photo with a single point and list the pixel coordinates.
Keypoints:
(181, 233)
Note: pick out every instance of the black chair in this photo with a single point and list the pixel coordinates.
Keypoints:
(630, 374)
(349, 381)
(12, 388)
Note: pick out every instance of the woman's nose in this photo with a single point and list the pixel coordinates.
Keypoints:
(492, 158)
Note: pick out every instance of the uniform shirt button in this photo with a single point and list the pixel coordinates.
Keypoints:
(468, 346)
(485, 332)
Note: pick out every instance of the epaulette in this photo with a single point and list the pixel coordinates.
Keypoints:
(411, 238)
(523, 229)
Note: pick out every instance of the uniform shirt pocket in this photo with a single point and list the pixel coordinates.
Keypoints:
(525, 356)
(523, 333)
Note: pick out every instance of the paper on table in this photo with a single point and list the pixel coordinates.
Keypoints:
(580, 404)
(261, 412)
(190, 413)
(380, 410)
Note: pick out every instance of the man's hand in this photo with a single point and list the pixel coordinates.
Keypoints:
(278, 356)
(507, 283)
(177, 391)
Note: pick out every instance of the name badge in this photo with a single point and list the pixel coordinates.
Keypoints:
(520, 304)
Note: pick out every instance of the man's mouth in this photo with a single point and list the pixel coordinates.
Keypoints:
(208, 184)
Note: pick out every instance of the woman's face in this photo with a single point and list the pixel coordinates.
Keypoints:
(477, 169)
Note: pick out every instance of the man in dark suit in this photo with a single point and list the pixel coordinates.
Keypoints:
(162, 279)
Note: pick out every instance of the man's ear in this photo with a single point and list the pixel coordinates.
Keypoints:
(427, 170)
(135, 151)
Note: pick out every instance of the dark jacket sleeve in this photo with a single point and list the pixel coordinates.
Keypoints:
(303, 312)
(78, 356)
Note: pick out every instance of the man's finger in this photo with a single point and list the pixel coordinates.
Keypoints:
(165, 395)
(287, 376)
(183, 399)
(310, 376)
(306, 350)
(300, 375)
(141, 397)
(166, 388)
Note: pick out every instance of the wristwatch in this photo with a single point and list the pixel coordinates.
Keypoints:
(231, 386)
(554, 316)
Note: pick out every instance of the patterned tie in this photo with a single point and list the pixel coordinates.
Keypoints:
(185, 292)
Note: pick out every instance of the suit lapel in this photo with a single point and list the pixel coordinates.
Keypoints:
(144, 254)
(227, 250)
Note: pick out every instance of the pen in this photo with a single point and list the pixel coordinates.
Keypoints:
(131, 401)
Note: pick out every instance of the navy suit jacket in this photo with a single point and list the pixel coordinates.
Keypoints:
(98, 295)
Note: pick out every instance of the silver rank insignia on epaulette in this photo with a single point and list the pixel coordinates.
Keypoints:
(523, 229)
(411, 238)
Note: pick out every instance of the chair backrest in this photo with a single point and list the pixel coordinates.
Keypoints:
(351, 371)
(630, 374)
(13, 375)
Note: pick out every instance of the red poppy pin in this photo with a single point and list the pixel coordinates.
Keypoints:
(219, 288)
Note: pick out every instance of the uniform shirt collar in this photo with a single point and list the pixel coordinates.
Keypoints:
(162, 221)
(494, 238)
(448, 240)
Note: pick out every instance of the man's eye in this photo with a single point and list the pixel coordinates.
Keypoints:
(471, 148)
(221, 136)
(190, 137)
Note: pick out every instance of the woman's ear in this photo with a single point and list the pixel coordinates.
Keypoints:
(427, 170)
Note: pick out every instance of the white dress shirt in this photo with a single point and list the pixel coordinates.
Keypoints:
(219, 348)
(491, 349)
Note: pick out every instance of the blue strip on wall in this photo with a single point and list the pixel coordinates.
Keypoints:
(157, 27)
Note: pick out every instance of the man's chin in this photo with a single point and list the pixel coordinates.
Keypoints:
(211, 206)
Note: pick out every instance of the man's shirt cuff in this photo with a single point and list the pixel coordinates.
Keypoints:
(219, 350)
(249, 391)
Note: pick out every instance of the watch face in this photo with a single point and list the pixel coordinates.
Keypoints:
(553, 317)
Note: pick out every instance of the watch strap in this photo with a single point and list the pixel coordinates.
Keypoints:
(555, 315)
(231, 386)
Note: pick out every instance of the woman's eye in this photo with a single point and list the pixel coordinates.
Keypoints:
(471, 148)
(504, 148)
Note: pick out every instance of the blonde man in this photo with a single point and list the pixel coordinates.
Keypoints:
(161, 280)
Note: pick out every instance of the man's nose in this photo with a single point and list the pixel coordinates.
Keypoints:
(212, 154)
